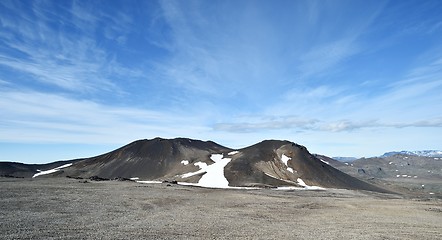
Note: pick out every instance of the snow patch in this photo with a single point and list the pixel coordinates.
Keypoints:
(51, 170)
(232, 153)
(216, 157)
(134, 178)
(302, 183)
(201, 165)
(287, 181)
(185, 162)
(285, 160)
(149, 182)
(229, 187)
(214, 177)
(346, 163)
(304, 186)
(289, 188)
(390, 163)
(214, 173)
(325, 162)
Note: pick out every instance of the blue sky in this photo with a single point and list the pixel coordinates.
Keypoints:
(343, 78)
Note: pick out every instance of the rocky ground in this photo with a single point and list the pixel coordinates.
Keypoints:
(62, 208)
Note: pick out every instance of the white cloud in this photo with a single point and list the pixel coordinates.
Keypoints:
(266, 123)
(70, 60)
(32, 116)
(347, 125)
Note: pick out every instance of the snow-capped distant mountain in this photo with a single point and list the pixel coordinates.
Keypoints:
(423, 153)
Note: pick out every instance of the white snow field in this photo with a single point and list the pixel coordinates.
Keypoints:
(214, 173)
(185, 162)
(325, 162)
(214, 177)
(51, 170)
(285, 159)
(142, 181)
(202, 167)
(302, 183)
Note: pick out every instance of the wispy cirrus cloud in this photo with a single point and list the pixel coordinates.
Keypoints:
(347, 125)
(325, 57)
(266, 123)
(70, 60)
(332, 45)
(412, 97)
(259, 48)
(197, 61)
(408, 103)
(2, 82)
(30, 116)
(297, 123)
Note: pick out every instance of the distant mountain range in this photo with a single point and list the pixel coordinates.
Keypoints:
(403, 171)
(423, 153)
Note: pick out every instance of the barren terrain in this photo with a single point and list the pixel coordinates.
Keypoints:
(62, 208)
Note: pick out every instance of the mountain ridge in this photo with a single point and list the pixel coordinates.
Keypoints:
(268, 163)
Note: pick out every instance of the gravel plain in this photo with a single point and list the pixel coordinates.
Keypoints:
(62, 208)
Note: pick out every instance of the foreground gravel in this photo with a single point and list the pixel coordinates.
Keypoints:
(74, 209)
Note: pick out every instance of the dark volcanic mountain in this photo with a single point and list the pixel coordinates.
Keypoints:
(147, 159)
(284, 163)
(268, 163)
